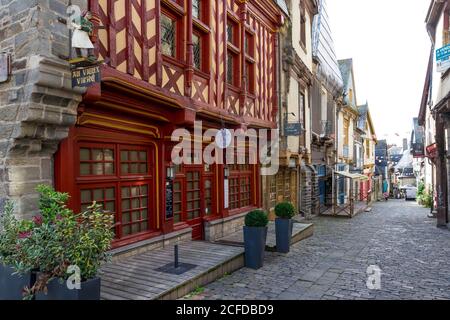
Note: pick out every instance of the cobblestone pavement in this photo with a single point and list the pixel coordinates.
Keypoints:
(397, 236)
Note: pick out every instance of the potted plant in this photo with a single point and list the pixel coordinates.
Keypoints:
(283, 226)
(12, 233)
(255, 235)
(69, 249)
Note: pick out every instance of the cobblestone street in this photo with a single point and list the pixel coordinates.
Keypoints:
(397, 236)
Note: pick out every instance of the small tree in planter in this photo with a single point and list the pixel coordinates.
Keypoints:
(12, 233)
(255, 235)
(69, 249)
(283, 226)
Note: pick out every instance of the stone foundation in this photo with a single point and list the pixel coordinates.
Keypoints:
(217, 229)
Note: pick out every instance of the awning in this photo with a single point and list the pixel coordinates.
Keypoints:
(353, 176)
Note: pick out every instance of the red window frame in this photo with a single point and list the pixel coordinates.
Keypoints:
(201, 28)
(118, 181)
(241, 195)
(234, 51)
(181, 178)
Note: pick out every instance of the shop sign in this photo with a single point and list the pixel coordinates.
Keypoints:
(293, 129)
(86, 77)
(443, 58)
(418, 150)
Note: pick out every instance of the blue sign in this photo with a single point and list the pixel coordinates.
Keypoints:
(443, 58)
(293, 129)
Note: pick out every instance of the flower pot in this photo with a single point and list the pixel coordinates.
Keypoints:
(255, 246)
(57, 290)
(12, 285)
(283, 231)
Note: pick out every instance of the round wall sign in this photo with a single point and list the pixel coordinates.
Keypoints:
(224, 138)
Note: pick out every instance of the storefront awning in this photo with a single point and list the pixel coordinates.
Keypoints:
(353, 176)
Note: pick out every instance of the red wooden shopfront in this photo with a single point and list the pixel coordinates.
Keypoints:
(169, 63)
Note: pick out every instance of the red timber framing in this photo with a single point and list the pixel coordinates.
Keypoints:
(165, 68)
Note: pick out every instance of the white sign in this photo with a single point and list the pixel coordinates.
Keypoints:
(224, 138)
(443, 58)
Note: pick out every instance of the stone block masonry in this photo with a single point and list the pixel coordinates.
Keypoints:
(37, 103)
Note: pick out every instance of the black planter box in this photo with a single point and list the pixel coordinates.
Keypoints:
(255, 246)
(90, 290)
(12, 285)
(283, 231)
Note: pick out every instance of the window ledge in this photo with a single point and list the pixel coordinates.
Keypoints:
(175, 7)
(201, 26)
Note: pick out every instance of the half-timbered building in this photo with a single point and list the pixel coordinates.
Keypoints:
(168, 64)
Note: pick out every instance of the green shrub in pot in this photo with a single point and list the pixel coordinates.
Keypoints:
(255, 235)
(256, 218)
(284, 211)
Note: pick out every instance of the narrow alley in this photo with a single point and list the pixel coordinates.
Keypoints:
(396, 236)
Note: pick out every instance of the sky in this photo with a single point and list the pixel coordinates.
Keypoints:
(390, 47)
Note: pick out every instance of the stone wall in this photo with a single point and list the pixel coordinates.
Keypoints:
(217, 229)
(37, 103)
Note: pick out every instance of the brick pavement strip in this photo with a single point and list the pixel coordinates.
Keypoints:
(397, 236)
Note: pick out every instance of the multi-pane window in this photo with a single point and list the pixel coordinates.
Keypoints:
(193, 194)
(200, 35)
(197, 51)
(135, 209)
(208, 197)
(125, 192)
(240, 183)
(168, 35)
(233, 53)
(234, 193)
(177, 202)
(230, 32)
(103, 196)
(96, 162)
(230, 68)
(133, 162)
(196, 9)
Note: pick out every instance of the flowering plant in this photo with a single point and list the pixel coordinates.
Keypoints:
(56, 240)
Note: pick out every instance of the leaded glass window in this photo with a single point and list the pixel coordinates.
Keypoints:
(230, 68)
(168, 30)
(196, 41)
(230, 32)
(196, 8)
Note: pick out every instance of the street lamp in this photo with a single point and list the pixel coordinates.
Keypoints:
(170, 172)
(226, 172)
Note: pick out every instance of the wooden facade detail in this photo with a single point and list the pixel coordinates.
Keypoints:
(121, 145)
(130, 42)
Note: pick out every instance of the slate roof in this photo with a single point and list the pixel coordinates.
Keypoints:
(345, 66)
(323, 51)
(363, 114)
